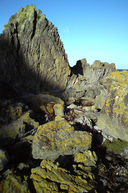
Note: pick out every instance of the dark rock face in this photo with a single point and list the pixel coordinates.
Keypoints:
(7, 91)
(31, 52)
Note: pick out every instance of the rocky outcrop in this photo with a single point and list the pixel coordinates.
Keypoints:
(113, 119)
(31, 46)
(52, 145)
(52, 178)
(86, 81)
(59, 138)
(78, 163)
(95, 72)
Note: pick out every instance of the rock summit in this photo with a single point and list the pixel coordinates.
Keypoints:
(31, 52)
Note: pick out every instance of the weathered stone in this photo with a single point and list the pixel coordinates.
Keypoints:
(4, 159)
(101, 98)
(22, 166)
(88, 158)
(14, 183)
(82, 114)
(35, 53)
(45, 103)
(124, 153)
(76, 87)
(57, 138)
(85, 162)
(10, 111)
(113, 119)
(59, 109)
(16, 128)
(49, 177)
(85, 79)
(95, 72)
(84, 101)
(70, 100)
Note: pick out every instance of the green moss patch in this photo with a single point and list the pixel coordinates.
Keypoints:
(116, 146)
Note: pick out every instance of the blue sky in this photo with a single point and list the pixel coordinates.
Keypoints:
(91, 29)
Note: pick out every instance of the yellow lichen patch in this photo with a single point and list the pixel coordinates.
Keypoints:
(45, 187)
(3, 155)
(59, 118)
(54, 176)
(117, 92)
(13, 183)
(5, 26)
(121, 77)
(59, 138)
(25, 12)
(16, 128)
(85, 157)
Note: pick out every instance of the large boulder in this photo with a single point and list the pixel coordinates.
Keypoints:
(113, 119)
(31, 46)
(57, 138)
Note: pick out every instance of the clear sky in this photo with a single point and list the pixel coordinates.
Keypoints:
(91, 29)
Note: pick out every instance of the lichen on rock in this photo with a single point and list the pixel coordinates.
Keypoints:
(49, 177)
(113, 119)
(14, 183)
(36, 53)
(4, 159)
(16, 129)
(57, 138)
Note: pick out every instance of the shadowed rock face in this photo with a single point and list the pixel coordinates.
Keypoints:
(31, 52)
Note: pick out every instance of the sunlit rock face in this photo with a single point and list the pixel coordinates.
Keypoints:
(95, 72)
(86, 80)
(31, 52)
(59, 138)
(113, 119)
